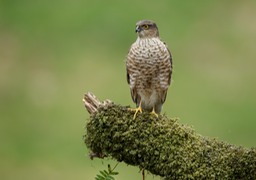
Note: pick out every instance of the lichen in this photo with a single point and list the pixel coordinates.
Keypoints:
(165, 147)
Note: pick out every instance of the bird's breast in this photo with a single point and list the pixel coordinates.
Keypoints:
(146, 63)
(148, 51)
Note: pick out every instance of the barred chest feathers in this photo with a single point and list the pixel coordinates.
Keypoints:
(148, 50)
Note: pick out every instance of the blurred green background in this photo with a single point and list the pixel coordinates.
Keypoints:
(52, 52)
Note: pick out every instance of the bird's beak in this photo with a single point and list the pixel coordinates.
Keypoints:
(138, 29)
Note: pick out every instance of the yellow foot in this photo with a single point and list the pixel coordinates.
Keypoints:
(138, 109)
(154, 113)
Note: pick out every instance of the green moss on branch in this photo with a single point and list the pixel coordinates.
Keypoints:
(165, 147)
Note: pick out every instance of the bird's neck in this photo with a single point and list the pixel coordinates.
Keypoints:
(148, 39)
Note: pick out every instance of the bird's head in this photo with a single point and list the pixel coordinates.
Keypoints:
(146, 29)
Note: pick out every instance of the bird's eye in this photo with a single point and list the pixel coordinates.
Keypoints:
(145, 26)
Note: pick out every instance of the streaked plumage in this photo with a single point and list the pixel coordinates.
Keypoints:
(149, 68)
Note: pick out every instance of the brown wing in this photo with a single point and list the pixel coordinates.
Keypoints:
(131, 80)
(171, 68)
(168, 71)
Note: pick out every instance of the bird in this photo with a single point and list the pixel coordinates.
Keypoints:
(148, 69)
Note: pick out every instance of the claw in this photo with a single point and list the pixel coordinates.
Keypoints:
(154, 113)
(138, 109)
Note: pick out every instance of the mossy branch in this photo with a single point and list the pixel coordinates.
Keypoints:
(162, 145)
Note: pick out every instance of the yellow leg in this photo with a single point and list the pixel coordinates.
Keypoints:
(154, 113)
(138, 109)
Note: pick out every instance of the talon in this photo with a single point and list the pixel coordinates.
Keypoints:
(138, 109)
(154, 113)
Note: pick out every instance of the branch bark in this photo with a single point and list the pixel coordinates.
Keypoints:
(162, 145)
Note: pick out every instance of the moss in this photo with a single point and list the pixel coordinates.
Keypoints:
(164, 147)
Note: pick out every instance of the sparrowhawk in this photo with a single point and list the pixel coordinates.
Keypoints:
(149, 69)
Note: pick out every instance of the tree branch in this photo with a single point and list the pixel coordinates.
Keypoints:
(162, 145)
